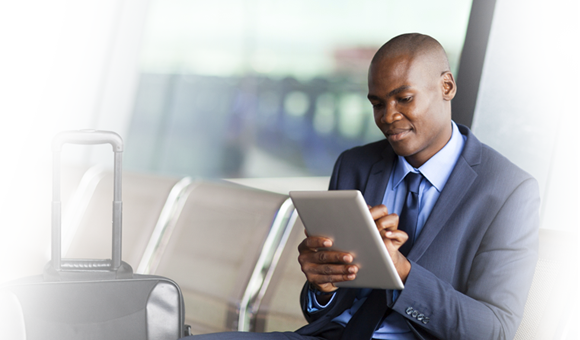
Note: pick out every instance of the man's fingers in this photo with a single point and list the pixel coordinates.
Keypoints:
(325, 257)
(323, 266)
(379, 211)
(398, 237)
(330, 269)
(383, 219)
(389, 222)
(329, 273)
(313, 243)
(320, 280)
(332, 257)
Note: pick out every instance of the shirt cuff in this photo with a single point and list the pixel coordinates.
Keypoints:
(312, 303)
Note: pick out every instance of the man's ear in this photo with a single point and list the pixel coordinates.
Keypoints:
(448, 86)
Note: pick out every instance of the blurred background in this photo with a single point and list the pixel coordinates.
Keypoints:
(246, 88)
(276, 89)
(18, 24)
(259, 89)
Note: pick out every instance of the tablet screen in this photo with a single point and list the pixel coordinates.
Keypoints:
(344, 217)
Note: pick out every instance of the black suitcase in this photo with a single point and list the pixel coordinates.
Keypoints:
(91, 299)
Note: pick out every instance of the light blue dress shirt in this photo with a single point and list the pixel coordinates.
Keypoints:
(436, 172)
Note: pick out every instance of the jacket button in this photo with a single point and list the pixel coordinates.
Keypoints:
(425, 320)
(409, 310)
(415, 313)
(420, 317)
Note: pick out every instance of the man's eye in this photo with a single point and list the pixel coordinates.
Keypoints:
(377, 106)
(405, 99)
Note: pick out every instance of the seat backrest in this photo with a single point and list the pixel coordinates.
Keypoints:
(279, 308)
(143, 199)
(548, 309)
(214, 247)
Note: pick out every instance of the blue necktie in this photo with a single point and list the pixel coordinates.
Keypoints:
(363, 323)
(410, 213)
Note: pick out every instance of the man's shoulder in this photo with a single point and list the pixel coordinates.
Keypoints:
(496, 174)
(485, 160)
(368, 153)
(353, 167)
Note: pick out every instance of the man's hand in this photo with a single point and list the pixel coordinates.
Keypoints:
(324, 267)
(388, 224)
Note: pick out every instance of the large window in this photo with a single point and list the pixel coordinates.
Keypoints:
(256, 88)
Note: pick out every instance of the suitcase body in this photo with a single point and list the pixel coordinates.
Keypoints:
(91, 299)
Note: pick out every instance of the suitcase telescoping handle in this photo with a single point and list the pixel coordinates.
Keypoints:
(86, 137)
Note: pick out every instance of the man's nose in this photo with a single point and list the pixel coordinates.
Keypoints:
(391, 114)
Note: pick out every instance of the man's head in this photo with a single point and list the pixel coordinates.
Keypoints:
(410, 88)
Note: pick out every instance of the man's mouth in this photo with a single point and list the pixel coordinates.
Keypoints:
(396, 135)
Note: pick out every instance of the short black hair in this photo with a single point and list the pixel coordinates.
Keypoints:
(414, 45)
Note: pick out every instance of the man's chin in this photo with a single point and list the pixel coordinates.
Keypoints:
(400, 150)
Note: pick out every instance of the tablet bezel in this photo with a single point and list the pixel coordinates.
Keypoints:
(344, 217)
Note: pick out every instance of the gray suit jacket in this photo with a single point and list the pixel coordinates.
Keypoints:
(473, 263)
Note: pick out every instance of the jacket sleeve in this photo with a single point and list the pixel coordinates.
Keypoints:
(490, 305)
(311, 317)
(333, 184)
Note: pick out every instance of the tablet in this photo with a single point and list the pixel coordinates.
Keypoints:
(344, 217)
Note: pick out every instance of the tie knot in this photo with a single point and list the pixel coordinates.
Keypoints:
(413, 181)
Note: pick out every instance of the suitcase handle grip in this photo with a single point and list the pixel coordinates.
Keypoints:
(86, 137)
(50, 274)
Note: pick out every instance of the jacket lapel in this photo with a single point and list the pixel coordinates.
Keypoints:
(457, 186)
(378, 178)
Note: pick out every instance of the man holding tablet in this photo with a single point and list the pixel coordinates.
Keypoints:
(459, 220)
(469, 248)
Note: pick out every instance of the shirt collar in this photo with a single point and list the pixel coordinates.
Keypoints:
(439, 167)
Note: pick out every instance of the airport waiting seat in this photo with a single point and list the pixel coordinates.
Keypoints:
(280, 309)
(144, 197)
(550, 307)
(25, 216)
(218, 246)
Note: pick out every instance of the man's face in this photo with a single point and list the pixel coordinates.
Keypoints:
(410, 107)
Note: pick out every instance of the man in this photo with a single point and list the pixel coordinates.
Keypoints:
(470, 218)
